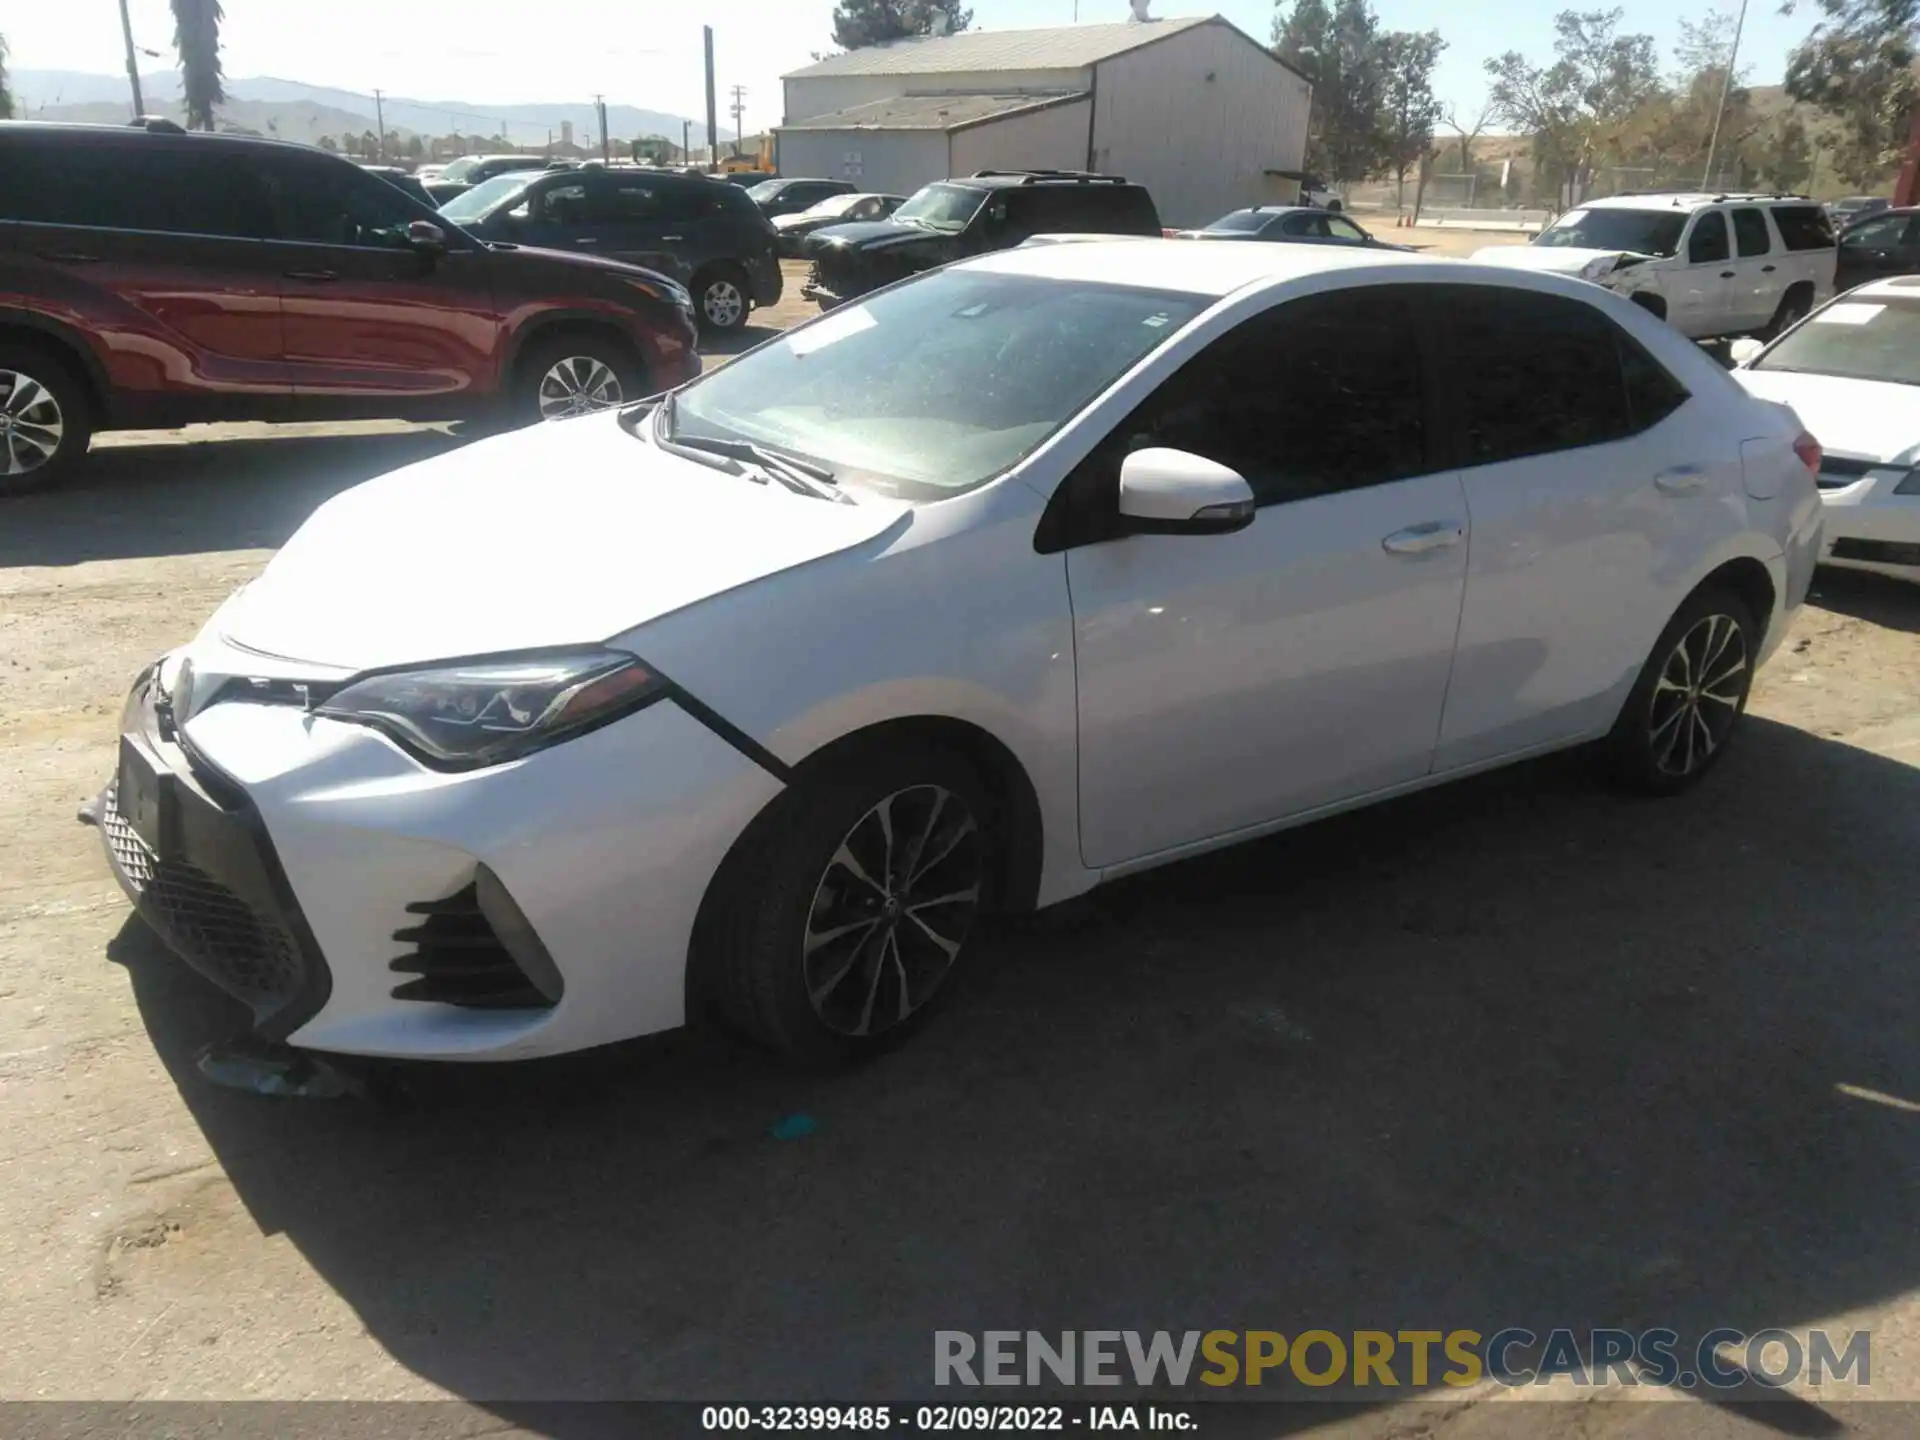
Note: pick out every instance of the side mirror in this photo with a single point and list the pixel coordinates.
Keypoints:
(1173, 492)
(426, 237)
(1744, 349)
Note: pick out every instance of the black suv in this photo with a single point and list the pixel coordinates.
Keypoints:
(703, 232)
(951, 219)
(777, 197)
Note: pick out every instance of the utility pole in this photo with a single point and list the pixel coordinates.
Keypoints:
(380, 119)
(713, 115)
(739, 117)
(686, 142)
(606, 145)
(133, 66)
(1726, 88)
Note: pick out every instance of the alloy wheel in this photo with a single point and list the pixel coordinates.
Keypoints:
(892, 909)
(1698, 695)
(578, 385)
(723, 303)
(31, 425)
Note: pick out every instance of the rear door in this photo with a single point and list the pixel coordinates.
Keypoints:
(370, 321)
(633, 218)
(1594, 494)
(1759, 282)
(154, 245)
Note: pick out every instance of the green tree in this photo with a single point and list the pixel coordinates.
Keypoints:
(859, 23)
(1580, 110)
(1337, 46)
(196, 35)
(1858, 68)
(1783, 154)
(6, 91)
(329, 144)
(1409, 112)
(416, 148)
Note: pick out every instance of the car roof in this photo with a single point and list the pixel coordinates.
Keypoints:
(1686, 200)
(55, 130)
(1217, 270)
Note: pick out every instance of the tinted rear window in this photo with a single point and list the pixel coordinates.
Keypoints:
(145, 185)
(1123, 209)
(1804, 227)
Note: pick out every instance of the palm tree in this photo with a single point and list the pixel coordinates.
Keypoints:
(196, 35)
(6, 95)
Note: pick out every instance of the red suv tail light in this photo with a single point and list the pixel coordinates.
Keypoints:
(1808, 449)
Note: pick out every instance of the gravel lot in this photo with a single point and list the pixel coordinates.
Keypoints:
(1518, 1052)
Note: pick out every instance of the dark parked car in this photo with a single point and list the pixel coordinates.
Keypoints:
(471, 170)
(403, 180)
(1294, 224)
(949, 219)
(706, 234)
(1845, 211)
(793, 230)
(789, 197)
(151, 279)
(1887, 243)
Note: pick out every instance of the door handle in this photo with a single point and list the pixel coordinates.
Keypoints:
(1681, 480)
(1728, 274)
(586, 240)
(672, 239)
(312, 275)
(1418, 539)
(1766, 269)
(68, 257)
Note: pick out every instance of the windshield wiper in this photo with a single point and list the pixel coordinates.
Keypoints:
(800, 476)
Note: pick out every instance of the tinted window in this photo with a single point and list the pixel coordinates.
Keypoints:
(1309, 227)
(1123, 210)
(1750, 232)
(1531, 373)
(1242, 222)
(1708, 243)
(333, 203)
(155, 187)
(1803, 227)
(1880, 234)
(1320, 395)
(564, 205)
(633, 200)
(1342, 229)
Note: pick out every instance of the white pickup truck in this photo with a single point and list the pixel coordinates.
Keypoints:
(1714, 266)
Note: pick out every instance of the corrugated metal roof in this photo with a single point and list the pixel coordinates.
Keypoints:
(1063, 47)
(931, 112)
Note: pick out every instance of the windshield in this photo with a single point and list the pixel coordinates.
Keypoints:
(1645, 232)
(488, 196)
(944, 207)
(1240, 222)
(1858, 339)
(933, 388)
(461, 170)
(836, 205)
(765, 190)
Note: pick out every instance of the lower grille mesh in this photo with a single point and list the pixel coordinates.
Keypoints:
(243, 952)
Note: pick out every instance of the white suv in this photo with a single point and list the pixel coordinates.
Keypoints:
(1714, 266)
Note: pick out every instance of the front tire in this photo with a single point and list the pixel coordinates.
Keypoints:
(842, 917)
(46, 419)
(1687, 703)
(575, 374)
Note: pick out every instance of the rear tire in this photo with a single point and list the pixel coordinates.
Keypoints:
(574, 373)
(1795, 306)
(832, 931)
(1686, 705)
(46, 418)
(721, 298)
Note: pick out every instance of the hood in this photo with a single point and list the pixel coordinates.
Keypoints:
(573, 260)
(565, 533)
(1553, 259)
(1862, 419)
(796, 220)
(877, 235)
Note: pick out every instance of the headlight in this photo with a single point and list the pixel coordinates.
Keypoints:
(464, 715)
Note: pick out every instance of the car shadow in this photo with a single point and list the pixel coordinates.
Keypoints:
(1518, 1052)
(738, 342)
(1878, 599)
(187, 497)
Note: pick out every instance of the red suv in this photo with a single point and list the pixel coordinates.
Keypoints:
(150, 278)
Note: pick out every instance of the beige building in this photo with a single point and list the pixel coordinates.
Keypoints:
(1193, 108)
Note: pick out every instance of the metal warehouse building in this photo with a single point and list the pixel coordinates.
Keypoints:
(1195, 109)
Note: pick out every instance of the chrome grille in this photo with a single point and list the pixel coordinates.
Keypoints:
(243, 952)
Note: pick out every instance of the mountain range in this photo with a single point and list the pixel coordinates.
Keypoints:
(294, 110)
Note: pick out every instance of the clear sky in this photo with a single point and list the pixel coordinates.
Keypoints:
(647, 53)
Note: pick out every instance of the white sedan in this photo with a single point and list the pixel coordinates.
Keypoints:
(1851, 370)
(1037, 570)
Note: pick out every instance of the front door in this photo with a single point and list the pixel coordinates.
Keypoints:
(1593, 493)
(645, 221)
(1697, 302)
(367, 317)
(1230, 680)
(1758, 284)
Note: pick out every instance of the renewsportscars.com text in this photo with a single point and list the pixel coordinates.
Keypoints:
(1721, 1359)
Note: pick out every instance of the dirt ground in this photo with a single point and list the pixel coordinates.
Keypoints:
(1514, 1053)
